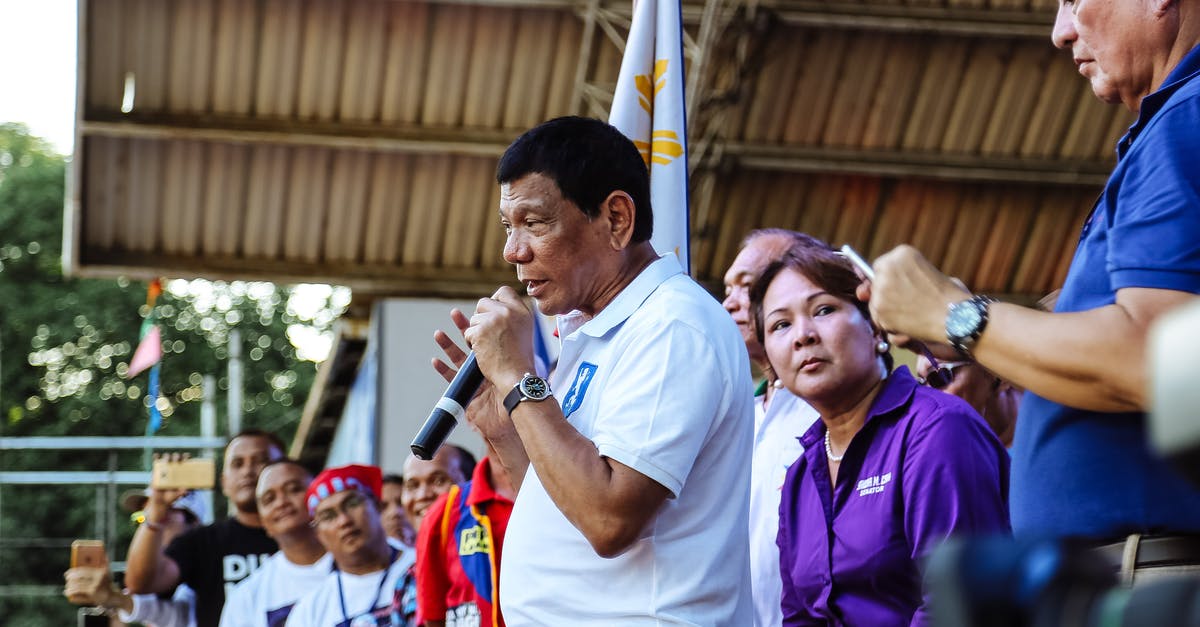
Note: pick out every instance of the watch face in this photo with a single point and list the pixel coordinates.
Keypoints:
(535, 387)
(963, 320)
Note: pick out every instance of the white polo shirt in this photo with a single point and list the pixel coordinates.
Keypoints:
(777, 431)
(659, 381)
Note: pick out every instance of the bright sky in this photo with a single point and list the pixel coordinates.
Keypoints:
(38, 89)
(37, 38)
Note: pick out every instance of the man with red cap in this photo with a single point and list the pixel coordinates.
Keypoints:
(344, 505)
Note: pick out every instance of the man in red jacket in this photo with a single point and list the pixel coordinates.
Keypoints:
(458, 550)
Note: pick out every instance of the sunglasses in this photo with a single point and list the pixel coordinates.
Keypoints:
(942, 374)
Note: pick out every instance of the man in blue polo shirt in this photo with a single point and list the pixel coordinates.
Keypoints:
(1082, 467)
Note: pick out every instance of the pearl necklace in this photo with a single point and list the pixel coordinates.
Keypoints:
(829, 450)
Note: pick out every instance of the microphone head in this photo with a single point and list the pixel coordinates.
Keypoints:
(433, 433)
(449, 410)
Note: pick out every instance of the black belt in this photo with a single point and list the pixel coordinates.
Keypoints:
(1152, 551)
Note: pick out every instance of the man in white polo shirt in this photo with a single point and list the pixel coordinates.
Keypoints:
(633, 494)
(780, 418)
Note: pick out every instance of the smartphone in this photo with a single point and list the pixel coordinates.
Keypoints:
(857, 260)
(191, 474)
(89, 553)
(92, 617)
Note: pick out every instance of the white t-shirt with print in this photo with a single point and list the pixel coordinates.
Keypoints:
(265, 597)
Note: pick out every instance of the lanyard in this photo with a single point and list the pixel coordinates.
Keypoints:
(382, 580)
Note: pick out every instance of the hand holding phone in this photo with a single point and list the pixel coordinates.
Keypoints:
(858, 261)
(89, 553)
(187, 474)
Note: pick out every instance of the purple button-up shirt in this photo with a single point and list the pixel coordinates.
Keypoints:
(924, 466)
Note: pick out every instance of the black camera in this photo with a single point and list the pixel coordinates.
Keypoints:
(1000, 582)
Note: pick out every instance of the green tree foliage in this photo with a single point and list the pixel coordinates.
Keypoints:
(65, 345)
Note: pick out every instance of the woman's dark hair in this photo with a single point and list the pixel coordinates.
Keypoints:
(588, 160)
(827, 268)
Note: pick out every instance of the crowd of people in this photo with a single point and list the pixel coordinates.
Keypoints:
(648, 481)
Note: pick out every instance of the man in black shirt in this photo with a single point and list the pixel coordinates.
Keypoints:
(215, 557)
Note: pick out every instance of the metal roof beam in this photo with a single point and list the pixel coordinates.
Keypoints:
(250, 131)
(870, 16)
(898, 164)
(107, 443)
(390, 280)
(73, 477)
(901, 18)
(914, 19)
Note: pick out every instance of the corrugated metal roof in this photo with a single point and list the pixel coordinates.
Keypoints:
(353, 141)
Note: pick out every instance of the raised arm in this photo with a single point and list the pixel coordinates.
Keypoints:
(486, 413)
(148, 570)
(1094, 360)
(609, 502)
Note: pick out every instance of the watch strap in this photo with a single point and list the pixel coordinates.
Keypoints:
(517, 393)
(513, 398)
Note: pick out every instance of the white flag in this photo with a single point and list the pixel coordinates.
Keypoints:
(648, 108)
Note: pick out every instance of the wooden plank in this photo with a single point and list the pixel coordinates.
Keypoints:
(363, 63)
(896, 92)
(445, 86)
(816, 81)
(1055, 103)
(976, 99)
(1004, 241)
(1014, 101)
(407, 53)
(224, 205)
(342, 238)
(897, 221)
(936, 95)
(859, 210)
(432, 177)
(853, 99)
(467, 210)
(279, 58)
(386, 209)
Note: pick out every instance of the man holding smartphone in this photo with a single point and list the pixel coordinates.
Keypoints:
(89, 582)
(214, 557)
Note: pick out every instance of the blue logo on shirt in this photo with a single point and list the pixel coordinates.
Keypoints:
(574, 397)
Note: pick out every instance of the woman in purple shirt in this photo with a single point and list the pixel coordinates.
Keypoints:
(890, 471)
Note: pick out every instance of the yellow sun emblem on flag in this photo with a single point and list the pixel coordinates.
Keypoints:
(664, 146)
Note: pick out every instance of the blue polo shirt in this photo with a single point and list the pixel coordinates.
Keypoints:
(1089, 474)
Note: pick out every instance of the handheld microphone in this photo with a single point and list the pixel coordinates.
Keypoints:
(449, 410)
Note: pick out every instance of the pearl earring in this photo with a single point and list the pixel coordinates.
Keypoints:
(882, 347)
